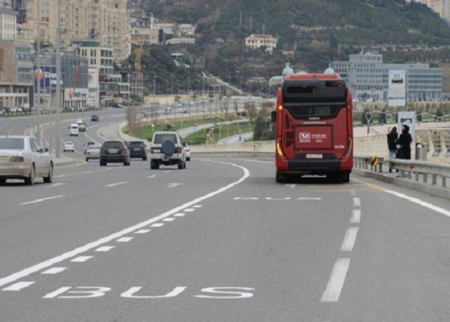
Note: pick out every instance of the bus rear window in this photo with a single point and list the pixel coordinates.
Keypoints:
(299, 111)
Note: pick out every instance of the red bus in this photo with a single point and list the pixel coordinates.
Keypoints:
(314, 127)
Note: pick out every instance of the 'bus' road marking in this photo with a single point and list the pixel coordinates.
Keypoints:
(356, 216)
(356, 202)
(102, 241)
(115, 184)
(349, 239)
(54, 270)
(41, 200)
(337, 280)
(18, 286)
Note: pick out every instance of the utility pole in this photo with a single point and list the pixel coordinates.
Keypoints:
(38, 63)
(58, 81)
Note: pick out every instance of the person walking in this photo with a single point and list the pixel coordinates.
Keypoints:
(391, 140)
(404, 144)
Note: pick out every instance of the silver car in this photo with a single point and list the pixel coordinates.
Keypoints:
(22, 157)
(93, 152)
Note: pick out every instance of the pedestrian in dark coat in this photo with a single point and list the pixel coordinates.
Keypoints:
(404, 144)
(391, 139)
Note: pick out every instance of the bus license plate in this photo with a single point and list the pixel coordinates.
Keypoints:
(314, 156)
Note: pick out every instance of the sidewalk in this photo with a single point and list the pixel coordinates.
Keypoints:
(235, 138)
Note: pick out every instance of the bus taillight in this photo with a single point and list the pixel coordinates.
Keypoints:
(279, 149)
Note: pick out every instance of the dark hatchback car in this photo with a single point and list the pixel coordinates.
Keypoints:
(95, 118)
(114, 151)
(137, 150)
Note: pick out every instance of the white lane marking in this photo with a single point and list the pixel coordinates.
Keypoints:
(41, 200)
(168, 171)
(356, 202)
(59, 176)
(104, 248)
(152, 176)
(179, 215)
(54, 270)
(197, 206)
(77, 251)
(353, 193)
(173, 185)
(290, 185)
(142, 231)
(18, 286)
(349, 239)
(356, 216)
(53, 185)
(246, 198)
(108, 169)
(124, 239)
(81, 259)
(420, 202)
(278, 199)
(116, 184)
(309, 198)
(168, 219)
(337, 280)
(257, 161)
(157, 225)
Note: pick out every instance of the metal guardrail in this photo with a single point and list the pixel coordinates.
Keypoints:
(366, 162)
(422, 169)
(234, 154)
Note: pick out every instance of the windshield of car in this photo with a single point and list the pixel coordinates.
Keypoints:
(12, 144)
(160, 138)
(94, 147)
(112, 144)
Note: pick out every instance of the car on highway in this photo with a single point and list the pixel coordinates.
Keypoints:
(22, 157)
(166, 148)
(187, 150)
(69, 146)
(86, 145)
(137, 150)
(74, 129)
(82, 127)
(114, 151)
(95, 118)
(93, 152)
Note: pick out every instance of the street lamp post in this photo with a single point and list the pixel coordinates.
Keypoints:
(38, 63)
(58, 82)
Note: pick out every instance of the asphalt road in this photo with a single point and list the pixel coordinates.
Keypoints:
(220, 241)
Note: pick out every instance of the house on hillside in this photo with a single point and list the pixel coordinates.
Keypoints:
(261, 40)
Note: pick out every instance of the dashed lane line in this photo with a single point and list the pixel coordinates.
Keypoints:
(349, 239)
(18, 286)
(42, 200)
(125, 239)
(54, 270)
(337, 280)
(356, 216)
(104, 248)
(81, 259)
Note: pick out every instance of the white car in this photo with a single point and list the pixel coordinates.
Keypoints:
(187, 150)
(69, 146)
(93, 152)
(22, 157)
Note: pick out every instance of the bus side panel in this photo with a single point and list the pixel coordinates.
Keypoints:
(281, 162)
(347, 162)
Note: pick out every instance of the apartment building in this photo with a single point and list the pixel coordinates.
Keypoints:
(16, 80)
(105, 21)
(8, 18)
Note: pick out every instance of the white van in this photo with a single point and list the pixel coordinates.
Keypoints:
(74, 129)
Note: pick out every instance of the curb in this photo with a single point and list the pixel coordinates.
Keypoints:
(412, 185)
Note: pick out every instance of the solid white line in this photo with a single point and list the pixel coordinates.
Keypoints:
(115, 184)
(54, 270)
(189, 210)
(104, 248)
(349, 239)
(337, 280)
(356, 216)
(420, 202)
(157, 225)
(142, 231)
(356, 202)
(48, 263)
(18, 286)
(124, 239)
(41, 200)
(56, 185)
(81, 259)
(168, 219)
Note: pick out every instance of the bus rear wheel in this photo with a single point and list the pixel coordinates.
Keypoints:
(280, 177)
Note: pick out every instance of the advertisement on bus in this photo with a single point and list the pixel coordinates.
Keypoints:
(397, 88)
